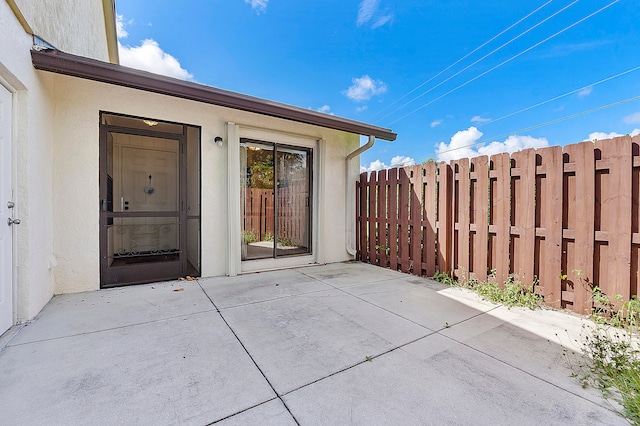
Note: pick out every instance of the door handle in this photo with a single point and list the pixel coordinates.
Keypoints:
(11, 221)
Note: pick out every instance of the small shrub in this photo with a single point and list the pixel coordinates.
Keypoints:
(511, 293)
(611, 363)
(249, 237)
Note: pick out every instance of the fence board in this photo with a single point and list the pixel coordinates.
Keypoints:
(461, 219)
(403, 220)
(363, 246)
(393, 218)
(615, 214)
(500, 207)
(549, 200)
(381, 252)
(429, 219)
(415, 232)
(479, 217)
(373, 233)
(635, 216)
(523, 215)
(444, 218)
(581, 275)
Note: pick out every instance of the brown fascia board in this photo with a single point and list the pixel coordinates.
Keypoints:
(92, 69)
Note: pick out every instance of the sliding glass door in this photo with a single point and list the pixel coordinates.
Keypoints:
(276, 200)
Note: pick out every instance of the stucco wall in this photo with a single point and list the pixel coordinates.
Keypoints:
(73, 26)
(75, 177)
(32, 165)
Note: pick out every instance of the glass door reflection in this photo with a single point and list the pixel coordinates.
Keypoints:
(275, 200)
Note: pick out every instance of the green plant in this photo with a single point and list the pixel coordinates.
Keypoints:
(286, 242)
(443, 278)
(249, 237)
(615, 311)
(268, 236)
(511, 293)
(611, 363)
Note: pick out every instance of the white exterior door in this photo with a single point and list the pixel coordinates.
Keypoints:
(6, 240)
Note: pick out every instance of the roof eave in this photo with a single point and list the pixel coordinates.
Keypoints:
(78, 66)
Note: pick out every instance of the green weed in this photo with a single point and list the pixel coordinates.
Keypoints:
(511, 293)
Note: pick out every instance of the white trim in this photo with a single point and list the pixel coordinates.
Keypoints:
(233, 199)
(319, 176)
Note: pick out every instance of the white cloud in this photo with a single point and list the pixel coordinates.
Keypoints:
(397, 161)
(381, 20)
(402, 161)
(633, 118)
(479, 120)
(364, 88)
(512, 144)
(259, 6)
(150, 57)
(373, 166)
(362, 108)
(602, 135)
(324, 108)
(120, 27)
(436, 123)
(585, 92)
(463, 145)
(369, 12)
(366, 10)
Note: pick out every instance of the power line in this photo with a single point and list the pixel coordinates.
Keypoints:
(463, 58)
(563, 95)
(506, 61)
(483, 58)
(547, 123)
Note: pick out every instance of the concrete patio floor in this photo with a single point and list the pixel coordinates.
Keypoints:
(337, 344)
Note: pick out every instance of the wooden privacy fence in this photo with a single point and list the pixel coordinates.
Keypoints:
(292, 211)
(565, 220)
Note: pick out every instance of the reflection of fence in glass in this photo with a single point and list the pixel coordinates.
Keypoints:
(292, 207)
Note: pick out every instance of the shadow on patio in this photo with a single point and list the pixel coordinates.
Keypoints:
(344, 343)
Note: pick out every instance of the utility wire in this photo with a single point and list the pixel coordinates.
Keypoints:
(563, 95)
(506, 61)
(547, 123)
(483, 58)
(462, 59)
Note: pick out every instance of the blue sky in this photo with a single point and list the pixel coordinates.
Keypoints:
(453, 78)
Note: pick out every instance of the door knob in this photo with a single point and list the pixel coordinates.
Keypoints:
(13, 221)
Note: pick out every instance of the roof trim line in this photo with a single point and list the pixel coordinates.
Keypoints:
(92, 69)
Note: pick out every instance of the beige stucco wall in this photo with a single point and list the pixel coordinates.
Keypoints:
(75, 176)
(32, 164)
(73, 26)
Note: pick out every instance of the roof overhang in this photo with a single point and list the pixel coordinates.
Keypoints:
(91, 69)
